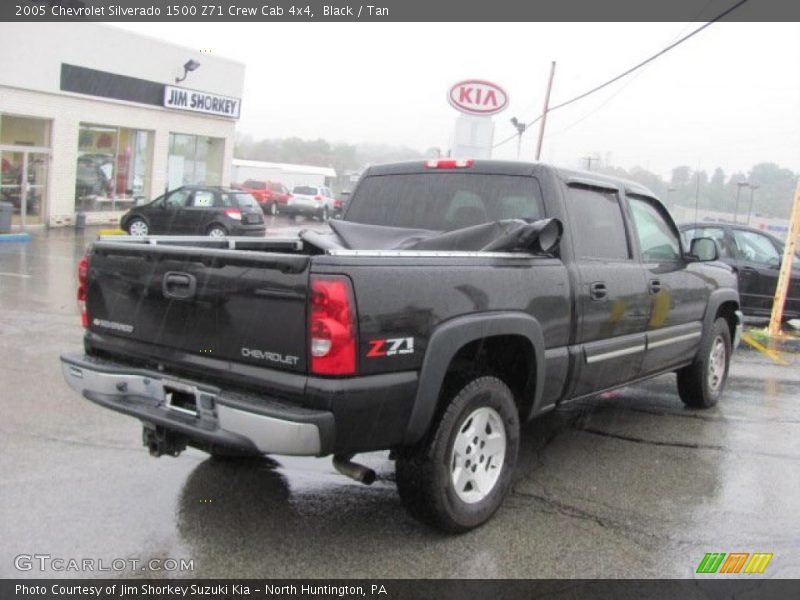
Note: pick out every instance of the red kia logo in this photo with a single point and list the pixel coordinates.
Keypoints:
(478, 97)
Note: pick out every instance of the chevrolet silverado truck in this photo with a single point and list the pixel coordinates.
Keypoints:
(454, 301)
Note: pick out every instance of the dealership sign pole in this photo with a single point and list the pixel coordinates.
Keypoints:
(545, 111)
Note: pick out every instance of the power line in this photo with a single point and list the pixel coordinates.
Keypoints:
(722, 15)
(625, 85)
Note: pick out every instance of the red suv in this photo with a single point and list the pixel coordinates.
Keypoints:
(271, 195)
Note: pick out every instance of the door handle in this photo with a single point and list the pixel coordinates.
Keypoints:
(598, 290)
(179, 286)
(655, 286)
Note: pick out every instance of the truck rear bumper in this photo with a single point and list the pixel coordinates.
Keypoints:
(202, 412)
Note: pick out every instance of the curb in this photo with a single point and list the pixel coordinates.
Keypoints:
(788, 343)
(15, 237)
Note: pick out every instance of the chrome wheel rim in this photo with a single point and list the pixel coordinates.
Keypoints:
(138, 228)
(478, 454)
(716, 364)
(216, 233)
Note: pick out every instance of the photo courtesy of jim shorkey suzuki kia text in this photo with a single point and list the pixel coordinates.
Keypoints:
(194, 590)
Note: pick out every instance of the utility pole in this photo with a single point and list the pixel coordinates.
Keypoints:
(589, 160)
(785, 275)
(739, 186)
(696, 191)
(753, 188)
(521, 127)
(546, 109)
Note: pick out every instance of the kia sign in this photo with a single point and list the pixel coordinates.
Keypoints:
(478, 97)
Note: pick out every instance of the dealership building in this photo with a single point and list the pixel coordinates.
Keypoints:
(95, 119)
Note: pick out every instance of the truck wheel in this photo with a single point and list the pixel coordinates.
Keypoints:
(232, 454)
(700, 384)
(457, 477)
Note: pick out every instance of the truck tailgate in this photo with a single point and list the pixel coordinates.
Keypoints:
(234, 305)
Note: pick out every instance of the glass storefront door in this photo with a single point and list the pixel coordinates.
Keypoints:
(34, 193)
(25, 159)
(24, 185)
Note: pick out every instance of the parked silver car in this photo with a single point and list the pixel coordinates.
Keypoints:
(311, 201)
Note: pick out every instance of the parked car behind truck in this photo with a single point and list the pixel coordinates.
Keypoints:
(455, 301)
(755, 256)
(197, 210)
(272, 196)
(311, 201)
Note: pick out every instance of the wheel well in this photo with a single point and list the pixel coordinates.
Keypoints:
(507, 357)
(727, 310)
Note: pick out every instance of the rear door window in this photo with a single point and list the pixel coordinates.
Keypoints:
(444, 201)
(597, 223)
(305, 190)
(254, 185)
(203, 199)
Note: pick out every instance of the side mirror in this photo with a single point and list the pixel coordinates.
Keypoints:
(775, 263)
(704, 249)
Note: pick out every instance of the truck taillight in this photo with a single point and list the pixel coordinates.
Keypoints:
(317, 197)
(83, 277)
(332, 326)
(449, 164)
(234, 213)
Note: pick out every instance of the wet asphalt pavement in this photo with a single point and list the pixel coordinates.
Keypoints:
(630, 484)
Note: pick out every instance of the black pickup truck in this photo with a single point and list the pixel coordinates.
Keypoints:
(454, 301)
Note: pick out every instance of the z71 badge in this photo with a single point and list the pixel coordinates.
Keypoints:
(390, 347)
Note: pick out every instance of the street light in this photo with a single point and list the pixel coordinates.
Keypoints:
(753, 188)
(740, 185)
(521, 127)
(191, 65)
(669, 193)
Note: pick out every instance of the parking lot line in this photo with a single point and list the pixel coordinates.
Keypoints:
(20, 275)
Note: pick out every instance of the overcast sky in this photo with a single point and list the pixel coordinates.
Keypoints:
(728, 97)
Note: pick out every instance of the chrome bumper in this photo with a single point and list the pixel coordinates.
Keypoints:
(737, 336)
(219, 417)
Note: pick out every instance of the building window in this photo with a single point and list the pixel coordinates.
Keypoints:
(114, 167)
(194, 160)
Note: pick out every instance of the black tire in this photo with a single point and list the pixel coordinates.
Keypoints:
(700, 384)
(137, 226)
(216, 230)
(232, 454)
(425, 473)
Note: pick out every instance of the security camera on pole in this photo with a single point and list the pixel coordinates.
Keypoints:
(477, 100)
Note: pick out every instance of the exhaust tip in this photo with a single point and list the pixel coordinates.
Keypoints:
(355, 471)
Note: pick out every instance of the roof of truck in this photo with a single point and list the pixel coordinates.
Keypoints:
(512, 167)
